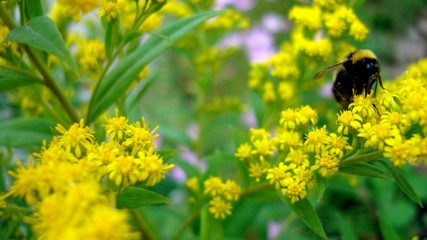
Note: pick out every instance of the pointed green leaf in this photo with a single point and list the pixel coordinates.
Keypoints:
(41, 33)
(23, 132)
(401, 181)
(118, 80)
(139, 91)
(10, 80)
(388, 232)
(168, 154)
(322, 184)
(366, 170)
(133, 197)
(305, 211)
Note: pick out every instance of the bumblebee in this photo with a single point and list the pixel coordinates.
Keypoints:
(356, 75)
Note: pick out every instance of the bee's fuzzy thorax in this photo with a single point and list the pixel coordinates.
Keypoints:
(361, 54)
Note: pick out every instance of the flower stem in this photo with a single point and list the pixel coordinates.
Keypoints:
(368, 157)
(146, 232)
(185, 225)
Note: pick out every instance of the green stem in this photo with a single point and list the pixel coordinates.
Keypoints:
(257, 188)
(52, 84)
(146, 232)
(204, 224)
(19, 70)
(368, 157)
(49, 81)
(185, 225)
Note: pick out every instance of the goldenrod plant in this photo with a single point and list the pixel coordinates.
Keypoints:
(189, 119)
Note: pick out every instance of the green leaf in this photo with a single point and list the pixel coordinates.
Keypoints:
(305, 211)
(168, 154)
(366, 170)
(401, 181)
(23, 132)
(133, 197)
(322, 184)
(33, 8)
(344, 227)
(118, 80)
(41, 33)
(388, 232)
(139, 91)
(11, 79)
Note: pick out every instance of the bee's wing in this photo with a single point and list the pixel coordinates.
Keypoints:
(332, 68)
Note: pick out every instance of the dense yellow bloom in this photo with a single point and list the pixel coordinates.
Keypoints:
(231, 190)
(286, 91)
(288, 119)
(256, 171)
(213, 186)
(112, 9)
(315, 139)
(77, 8)
(243, 151)
(76, 139)
(326, 164)
(358, 30)
(337, 144)
(276, 174)
(115, 127)
(288, 139)
(140, 137)
(258, 134)
(347, 121)
(219, 208)
(91, 56)
(193, 184)
(363, 106)
(297, 158)
(307, 16)
(294, 189)
(230, 19)
(222, 194)
(306, 114)
(400, 150)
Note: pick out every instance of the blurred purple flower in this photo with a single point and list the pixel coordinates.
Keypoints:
(326, 90)
(249, 119)
(178, 175)
(259, 45)
(242, 5)
(191, 157)
(274, 229)
(274, 23)
(193, 130)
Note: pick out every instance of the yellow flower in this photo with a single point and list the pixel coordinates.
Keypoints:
(288, 119)
(309, 17)
(231, 190)
(358, 30)
(297, 158)
(77, 8)
(276, 174)
(115, 127)
(75, 138)
(307, 114)
(243, 152)
(288, 139)
(348, 120)
(269, 93)
(152, 165)
(193, 184)
(400, 151)
(213, 186)
(219, 208)
(363, 106)
(294, 189)
(256, 171)
(326, 164)
(139, 137)
(335, 24)
(337, 144)
(111, 9)
(124, 170)
(263, 148)
(286, 91)
(315, 139)
(258, 134)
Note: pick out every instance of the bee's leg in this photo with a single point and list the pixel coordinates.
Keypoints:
(376, 109)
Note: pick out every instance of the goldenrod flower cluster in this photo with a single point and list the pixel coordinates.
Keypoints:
(230, 19)
(288, 158)
(222, 194)
(64, 184)
(317, 28)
